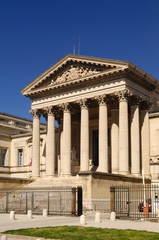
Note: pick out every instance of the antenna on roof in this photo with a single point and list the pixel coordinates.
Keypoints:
(79, 45)
(74, 49)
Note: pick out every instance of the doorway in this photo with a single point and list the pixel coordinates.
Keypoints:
(95, 148)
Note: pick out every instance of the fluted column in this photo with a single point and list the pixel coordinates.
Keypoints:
(123, 132)
(36, 143)
(66, 142)
(135, 141)
(115, 141)
(84, 141)
(50, 143)
(103, 134)
(145, 138)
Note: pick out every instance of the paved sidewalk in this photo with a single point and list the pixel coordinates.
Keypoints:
(39, 221)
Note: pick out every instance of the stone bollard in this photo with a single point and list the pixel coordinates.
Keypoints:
(4, 237)
(97, 217)
(44, 212)
(83, 220)
(30, 214)
(12, 215)
(112, 216)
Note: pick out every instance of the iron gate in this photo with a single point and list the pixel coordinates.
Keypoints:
(135, 201)
(61, 202)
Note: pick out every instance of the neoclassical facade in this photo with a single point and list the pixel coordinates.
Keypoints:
(102, 109)
(101, 125)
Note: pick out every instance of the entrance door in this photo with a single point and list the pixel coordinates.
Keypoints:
(95, 148)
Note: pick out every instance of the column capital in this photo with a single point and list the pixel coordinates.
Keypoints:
(145, 105)
(135, 100)
(36, 113)
(103, 100)
(49, 110)
(66, 107)
(123, 95)
(83, 103)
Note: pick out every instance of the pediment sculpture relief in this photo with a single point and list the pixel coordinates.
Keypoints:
(74, 73)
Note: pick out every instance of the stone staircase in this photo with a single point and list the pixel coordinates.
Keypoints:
(55, 182)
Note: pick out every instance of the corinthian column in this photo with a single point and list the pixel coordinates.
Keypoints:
(123, 132)
(36, 143)
(115, 140)
(50, 143)
(145, 138)
(103, 135)
(135, 141)
(84, 141)
(66, 142)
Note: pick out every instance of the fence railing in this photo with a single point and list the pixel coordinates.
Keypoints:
(60, 202)
(135, 201)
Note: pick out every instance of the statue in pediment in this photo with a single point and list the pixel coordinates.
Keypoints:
(74, 73)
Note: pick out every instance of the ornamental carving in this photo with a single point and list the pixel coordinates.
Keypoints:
(83, 103)
(145, 105)
(135, 100)
(35, 113)
(123, 95)
(49, 110)
(66, 107)
(74, 73)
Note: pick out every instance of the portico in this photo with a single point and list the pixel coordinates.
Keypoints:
(91, 114)
(101, 107)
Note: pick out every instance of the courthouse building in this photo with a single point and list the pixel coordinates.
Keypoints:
(107, 127)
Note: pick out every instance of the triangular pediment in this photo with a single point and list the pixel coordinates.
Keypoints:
(71, 69)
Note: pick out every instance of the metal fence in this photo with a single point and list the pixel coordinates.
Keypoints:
(135, 201)
(60, 202)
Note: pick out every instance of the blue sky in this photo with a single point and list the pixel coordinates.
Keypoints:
(35, 34)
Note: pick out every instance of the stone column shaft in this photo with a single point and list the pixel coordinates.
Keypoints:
(66, 143)
(123, 137)
(103, 138)
(115, 141)
(36, 146)
(135, 141)
(145, 142)
(84, 141)
(50, 146)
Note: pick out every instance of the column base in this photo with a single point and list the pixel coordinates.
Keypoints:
(35, 177)
(124, 172)
(50, 176)
(115, 172)
(101, 170)
(66, 175)
(136, 174)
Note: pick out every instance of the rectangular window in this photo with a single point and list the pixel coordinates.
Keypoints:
(20, 157)
(3, 157)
